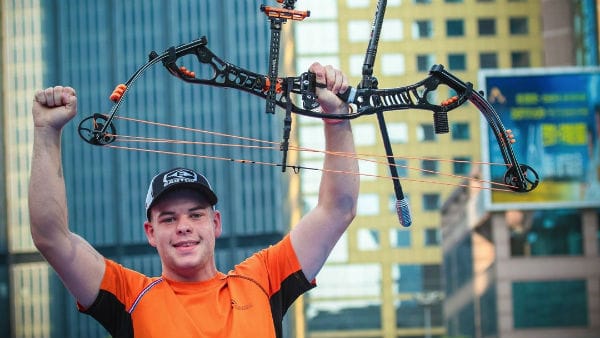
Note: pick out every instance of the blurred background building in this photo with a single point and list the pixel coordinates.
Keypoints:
(382, 280)
(520, 273)
(92, 46)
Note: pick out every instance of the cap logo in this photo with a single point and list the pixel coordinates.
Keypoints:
(178, 176)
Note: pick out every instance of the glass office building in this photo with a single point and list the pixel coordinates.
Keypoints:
(93, 46)
(515, 273)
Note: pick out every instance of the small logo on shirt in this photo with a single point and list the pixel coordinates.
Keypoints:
(237, 306)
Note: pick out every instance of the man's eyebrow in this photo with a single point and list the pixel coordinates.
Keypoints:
(163, 213)
(192, 209)
(197, 208)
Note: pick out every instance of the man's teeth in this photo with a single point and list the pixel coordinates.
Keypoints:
(186, 244)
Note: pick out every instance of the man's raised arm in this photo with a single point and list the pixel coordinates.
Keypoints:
(78, 264)
(316, 234)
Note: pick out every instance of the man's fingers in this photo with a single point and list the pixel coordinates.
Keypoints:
(330, 74)
(40, 96)
(49, 93)
(339, 81)
(319, 71)
(54, 96)
(69, 97)
(333, 78)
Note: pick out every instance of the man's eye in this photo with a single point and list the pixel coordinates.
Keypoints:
(195, 216)
(167, 220)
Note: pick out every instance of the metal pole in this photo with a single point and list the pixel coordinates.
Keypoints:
(427, 321)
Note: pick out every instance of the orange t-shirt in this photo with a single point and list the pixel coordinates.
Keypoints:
(249, 301)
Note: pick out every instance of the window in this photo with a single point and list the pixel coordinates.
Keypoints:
(488, 60)
(486, 27)
(461, 166)
(460, 131)
(368, 170)
(412, 278)
(359, 30)
(431, 202)
(520, 59)
(402, 167)
(432, 237)
(547, 233)
(410, 314)
(455, 27)
(454, 1)
(518, 26)
(538, 304)
(366, 134)
(392, 64)
(400, 238)
(457, 61)
(342, 315)
(368, 205)
(489, 311)
(356, 62)
(422, 1)
(598, 232)
(338, 284)
(368, 239)
(422, 29)
(458, 265)
(424, 62)
(429, 167)
(408, 277)
(398, 132)
(392, 30)
(425, 133)
(309, 38)
(357, 3)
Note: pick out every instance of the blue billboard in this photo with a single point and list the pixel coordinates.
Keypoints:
(555, 117)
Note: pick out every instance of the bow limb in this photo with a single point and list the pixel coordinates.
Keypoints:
(520, 177)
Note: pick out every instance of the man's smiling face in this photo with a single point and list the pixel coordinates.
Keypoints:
(183, 227)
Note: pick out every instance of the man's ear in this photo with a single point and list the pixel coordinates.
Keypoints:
(149, 230)
(217, 223)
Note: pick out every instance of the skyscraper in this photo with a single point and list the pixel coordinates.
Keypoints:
(92, 46)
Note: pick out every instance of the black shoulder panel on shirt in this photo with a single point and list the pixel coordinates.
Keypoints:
(291, 288)
(111, 313)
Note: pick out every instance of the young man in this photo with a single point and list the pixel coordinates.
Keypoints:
(191, 298)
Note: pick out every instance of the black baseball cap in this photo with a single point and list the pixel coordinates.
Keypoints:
(178, 178)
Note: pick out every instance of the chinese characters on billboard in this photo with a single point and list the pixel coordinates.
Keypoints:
(555, 117)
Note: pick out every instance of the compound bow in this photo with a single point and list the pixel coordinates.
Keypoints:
(99, 129)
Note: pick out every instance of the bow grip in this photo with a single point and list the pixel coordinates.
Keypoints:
(349, 95)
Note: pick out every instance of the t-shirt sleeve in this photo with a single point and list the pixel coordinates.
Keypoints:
(118, 291)
(278, 270)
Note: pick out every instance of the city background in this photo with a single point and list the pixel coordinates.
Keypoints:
(475, 263)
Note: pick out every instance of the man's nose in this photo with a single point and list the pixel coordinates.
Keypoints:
(183, 226)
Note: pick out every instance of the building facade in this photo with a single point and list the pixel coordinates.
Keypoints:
(384, 280)
(518, 273)
(510, 273)
(93, 46)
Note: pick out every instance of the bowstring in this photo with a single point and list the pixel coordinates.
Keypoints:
(272, 145)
